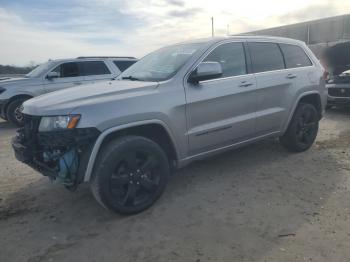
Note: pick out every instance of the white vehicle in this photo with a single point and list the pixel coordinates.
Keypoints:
(56, 75)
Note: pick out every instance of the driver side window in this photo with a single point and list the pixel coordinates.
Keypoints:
(70, 69)
(231, 57)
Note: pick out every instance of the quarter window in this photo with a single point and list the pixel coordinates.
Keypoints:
(70, 69)
(122, 65)
(266, 57)
(294, 56)
(231, 57)
(95, 68)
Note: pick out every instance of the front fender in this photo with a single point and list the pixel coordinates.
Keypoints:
(9, 94)
(105, 133)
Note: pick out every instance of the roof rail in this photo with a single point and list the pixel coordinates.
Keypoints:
(128, 57)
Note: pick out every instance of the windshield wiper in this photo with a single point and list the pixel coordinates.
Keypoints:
(130, 78)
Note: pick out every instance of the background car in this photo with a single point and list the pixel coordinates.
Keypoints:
(338, 86)
(56, 75)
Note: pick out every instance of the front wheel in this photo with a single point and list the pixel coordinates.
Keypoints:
(302, 130)
(14, 112)
(130, 174)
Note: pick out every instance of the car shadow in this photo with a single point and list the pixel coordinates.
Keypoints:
(338, 110)
(237, 203)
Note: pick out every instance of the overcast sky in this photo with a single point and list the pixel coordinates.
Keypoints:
(33, 30)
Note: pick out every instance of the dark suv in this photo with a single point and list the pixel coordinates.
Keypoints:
(338, 86)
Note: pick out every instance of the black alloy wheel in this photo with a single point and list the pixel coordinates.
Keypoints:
(130, 174)
(135, 179)
(302, 130)
(307, 126)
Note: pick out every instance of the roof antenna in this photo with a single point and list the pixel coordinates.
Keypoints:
(212, 26)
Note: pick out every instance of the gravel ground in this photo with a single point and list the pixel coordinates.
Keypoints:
(259, 203)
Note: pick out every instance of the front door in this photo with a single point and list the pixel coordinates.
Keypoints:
(221, 111)
(69, 75)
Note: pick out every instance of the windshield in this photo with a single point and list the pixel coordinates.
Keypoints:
(39, 70)
(162, 64)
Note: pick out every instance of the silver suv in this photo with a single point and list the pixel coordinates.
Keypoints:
(178, 104)
(56, 75)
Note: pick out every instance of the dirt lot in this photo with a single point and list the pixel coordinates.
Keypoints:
(259, 203)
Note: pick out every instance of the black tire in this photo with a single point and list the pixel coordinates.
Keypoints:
(13, 112)
(130, 174)
(302, 130)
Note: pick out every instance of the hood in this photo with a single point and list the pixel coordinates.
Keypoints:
(63, 102)
(337, 58)
(18, 81)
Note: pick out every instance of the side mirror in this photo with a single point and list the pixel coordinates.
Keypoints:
(205, 71)
(52, 75)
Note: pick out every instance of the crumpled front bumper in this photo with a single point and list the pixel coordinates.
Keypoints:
(45, 151)
(26, 155)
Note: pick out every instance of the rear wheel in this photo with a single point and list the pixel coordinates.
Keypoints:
(302, 130)
(14, 112)
(130, 174)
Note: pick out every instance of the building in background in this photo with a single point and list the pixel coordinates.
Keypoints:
(318, 34)
(329, 39)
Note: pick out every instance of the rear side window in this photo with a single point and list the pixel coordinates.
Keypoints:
(94, 68)
(231, 57)
(294, 56)
(266, 57)
(122, 65)
(70, 69)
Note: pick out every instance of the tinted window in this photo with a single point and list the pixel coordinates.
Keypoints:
(95, 68)
(122, 65)
(294, 56)
(266, 57)
(231, 57)
(70, 69)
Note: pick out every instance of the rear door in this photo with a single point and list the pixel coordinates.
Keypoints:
(94, 71)
(69, 75)
(274, 86)
(300, 70)
(221, 111)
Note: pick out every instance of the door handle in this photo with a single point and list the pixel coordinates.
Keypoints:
(245, 84)
(291, 76)
(77, 83)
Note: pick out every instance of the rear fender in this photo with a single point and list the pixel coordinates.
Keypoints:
(295, 106)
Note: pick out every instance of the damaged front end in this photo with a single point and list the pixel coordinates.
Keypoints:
(62, 155)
